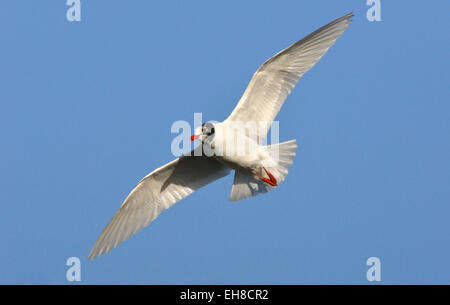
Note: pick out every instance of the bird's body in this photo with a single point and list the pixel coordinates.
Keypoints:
(234, 149)
(234, 144)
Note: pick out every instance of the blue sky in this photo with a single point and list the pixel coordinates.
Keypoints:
(86, 111)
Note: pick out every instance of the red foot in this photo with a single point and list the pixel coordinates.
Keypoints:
(272, 181)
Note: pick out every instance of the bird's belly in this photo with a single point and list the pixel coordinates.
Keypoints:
(247, 163)
(236, 150)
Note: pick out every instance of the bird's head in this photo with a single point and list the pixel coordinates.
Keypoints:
(203, 132)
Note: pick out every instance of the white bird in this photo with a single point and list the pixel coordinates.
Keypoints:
(258, 168)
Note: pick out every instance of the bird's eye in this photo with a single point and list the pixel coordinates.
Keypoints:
(208, 129)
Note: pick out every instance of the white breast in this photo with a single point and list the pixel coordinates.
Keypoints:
(235, 149)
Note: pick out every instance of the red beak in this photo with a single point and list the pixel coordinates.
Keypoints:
(194, 137)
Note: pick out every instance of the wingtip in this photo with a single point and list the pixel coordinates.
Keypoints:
(95, 253)
(91, 256)
(349, 16)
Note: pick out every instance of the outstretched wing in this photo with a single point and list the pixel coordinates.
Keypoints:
(156, 192)
(275, 79)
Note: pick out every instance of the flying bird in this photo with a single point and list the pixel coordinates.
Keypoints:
(257, 169)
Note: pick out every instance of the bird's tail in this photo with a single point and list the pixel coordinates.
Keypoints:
(282, 157)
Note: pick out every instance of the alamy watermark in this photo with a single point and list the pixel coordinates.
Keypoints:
(374, 11)
(73, 273)
(74, 11)
(374, 272)
(229, 138)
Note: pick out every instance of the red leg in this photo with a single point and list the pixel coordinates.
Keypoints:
(272, 181)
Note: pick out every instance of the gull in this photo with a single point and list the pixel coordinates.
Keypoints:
(257, 168)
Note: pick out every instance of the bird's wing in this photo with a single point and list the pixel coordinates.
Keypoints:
(275, 78)
(156, 192)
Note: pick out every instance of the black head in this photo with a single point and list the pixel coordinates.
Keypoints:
(208, 129)
(203, 132)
